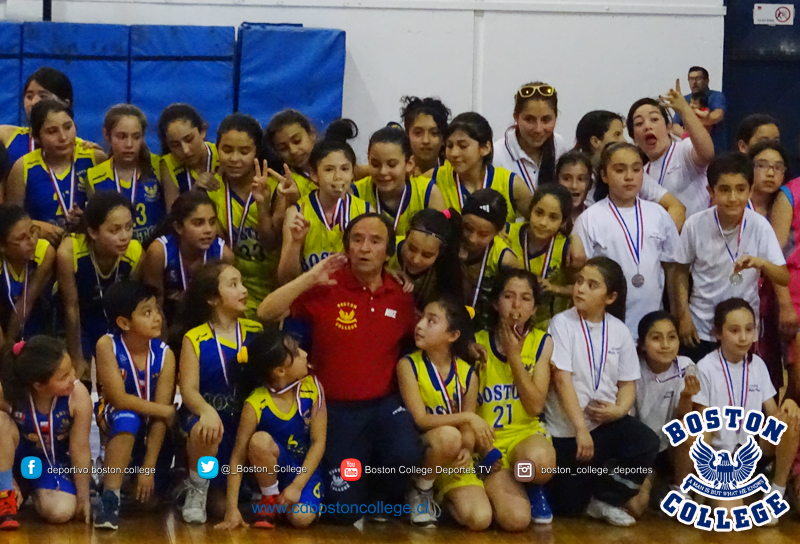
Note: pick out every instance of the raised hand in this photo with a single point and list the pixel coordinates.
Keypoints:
(260, 185)
(674, 99)
(287, 188)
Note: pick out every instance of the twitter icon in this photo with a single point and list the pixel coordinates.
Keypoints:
(207, 467)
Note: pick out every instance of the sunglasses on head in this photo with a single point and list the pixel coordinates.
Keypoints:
(526, 91)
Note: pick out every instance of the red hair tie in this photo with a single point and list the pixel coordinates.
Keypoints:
(18, 347)
(446, 213)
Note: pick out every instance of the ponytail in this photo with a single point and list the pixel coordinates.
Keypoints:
(27, 363)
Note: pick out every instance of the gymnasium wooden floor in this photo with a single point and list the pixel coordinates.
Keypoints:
(167, 527)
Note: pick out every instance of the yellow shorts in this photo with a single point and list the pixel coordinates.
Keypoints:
(445, 483)
(508, 440)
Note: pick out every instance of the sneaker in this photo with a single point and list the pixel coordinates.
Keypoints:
(540, 508)
(423, 508)
(8, 510)
(107, 514)
(178, 493)
(609, 514)
(194, 507)
(266, 516)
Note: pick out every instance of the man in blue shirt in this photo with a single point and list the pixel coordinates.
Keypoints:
(714, 118)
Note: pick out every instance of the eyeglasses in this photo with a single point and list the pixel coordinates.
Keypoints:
(779, 167)
(527, 91)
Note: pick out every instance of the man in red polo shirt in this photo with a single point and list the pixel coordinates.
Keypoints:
(359, 320)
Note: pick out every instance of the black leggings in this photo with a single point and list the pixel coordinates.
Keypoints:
(624, 452)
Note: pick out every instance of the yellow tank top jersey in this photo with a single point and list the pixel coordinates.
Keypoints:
(416, 197)
(258, 265)
(437, 400)
(479, 278)
(323, 239)
(180, 177)
(498, 399)
(554, 260)
(497, 178)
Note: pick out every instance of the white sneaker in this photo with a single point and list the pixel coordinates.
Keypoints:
(194, 508)
(610, 514)
(420, 515)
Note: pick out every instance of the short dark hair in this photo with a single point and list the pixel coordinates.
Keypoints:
(391, 242)
(122, 298)
(732, 163)
(699, 69)
(750, 124)
(646, 102)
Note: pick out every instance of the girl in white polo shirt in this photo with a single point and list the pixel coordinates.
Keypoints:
(530, 148)
(595, 368)
(733, 376)
(678, 165)
(637, 234)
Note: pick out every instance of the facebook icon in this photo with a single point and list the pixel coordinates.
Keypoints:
(31, 468)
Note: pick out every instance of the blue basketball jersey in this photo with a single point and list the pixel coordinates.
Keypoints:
(21, 143)
(14, 290)
(144, 383)
(59, 418)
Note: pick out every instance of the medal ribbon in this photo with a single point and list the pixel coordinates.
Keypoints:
(400, 209)
(189, 181)
(482, 272)
(134, 180)
(461, 191)
(337, 212)
(51, 462)
(21, 318)
(445, 394)
(547, 258)
(597, 373)
(634, 245)
(57, 189)
(667, 159)
(742, 226)
(135, 371)
(729, 381)
(229, 215)
(219, 348)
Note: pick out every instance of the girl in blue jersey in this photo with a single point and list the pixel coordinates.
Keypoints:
(190, 242)
(284, 422)
(46, 181)
(28, 264)
(187, 158)
(132, 170)
(53, 415)
(44, 83)
(425, 121)
(211, 311)
(136, 382)
(88, 264)
(440, 389)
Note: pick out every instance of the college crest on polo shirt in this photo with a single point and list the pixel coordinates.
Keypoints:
(346, 320)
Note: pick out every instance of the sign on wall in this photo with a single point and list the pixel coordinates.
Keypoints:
(773, 14)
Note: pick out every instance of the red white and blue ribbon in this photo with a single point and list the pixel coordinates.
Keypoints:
(184, 275)
(634, 244)
(134, 180)
(219, 348)
(20, 318)
(189, 180)
(665, 164)
(135, 372)
(459, 394)
(547, 258)
(462, 191)
(729, 381)
(742, 226)
(337, 212)
(229, 213)
(57, 189)
(37, 426)
(401, 208)
(523, 170)
(595, 368)
(482, 273)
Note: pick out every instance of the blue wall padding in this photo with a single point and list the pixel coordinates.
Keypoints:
(94, 57)
(286, 66)
(10, 65)
(190, 64)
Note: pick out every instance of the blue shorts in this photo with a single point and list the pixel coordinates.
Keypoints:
(230, 425)
(312, 492)
(48, 479)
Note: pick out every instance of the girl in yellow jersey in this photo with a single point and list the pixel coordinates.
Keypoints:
(314, 228)
(290, 138)
(469, 167)
(46, 181)
(542, 245)
(425, 121)
(440, 389)
(391, 189)
(88, 264)
(243, 206)
(484, 249)
(132, 170)
(26, 285)
(511, 395)
(187, 158)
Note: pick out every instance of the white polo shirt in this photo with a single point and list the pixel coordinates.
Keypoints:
(657, 396)
(711, 266)
(570, 353)
(509, 155)
(681, 176)
(602, 234)
(715, 390)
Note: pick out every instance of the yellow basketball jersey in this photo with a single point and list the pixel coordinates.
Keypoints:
(498, 399)
(550, 264)
(416, 197)
(441, 394)
(322, 238)
(178, 173)
(454, 193)
(257, 264)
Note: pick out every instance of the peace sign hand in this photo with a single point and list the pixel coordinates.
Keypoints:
(287, 188)
(674, 99)
(260, 186)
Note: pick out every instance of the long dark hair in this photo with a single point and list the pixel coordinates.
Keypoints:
(458, 319)
(547, 168)
(113, 116)
(194, 309)
(615, 281)
(446, 227)
(506, 275)
(36, 362)
(178, 112)
(267, 351)
(476, 127)
(595, 123)
(53, 81)
(10, 215)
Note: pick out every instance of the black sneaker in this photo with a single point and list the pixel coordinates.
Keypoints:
(107, 514)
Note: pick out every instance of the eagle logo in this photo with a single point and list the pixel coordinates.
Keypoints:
(346, 320)
(725, 478)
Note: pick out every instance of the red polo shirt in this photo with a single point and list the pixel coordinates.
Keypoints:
(356, 334)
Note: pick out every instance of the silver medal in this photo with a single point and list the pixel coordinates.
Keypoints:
(637, 280)
(736, 279)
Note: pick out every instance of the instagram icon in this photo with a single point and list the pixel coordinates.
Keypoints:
(524, 471)
(350, 469)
